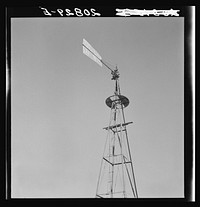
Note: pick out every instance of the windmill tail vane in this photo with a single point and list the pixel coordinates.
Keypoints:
(89, 51)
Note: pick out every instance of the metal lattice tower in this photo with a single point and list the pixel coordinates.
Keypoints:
(116, 177)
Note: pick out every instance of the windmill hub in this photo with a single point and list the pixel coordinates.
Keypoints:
(115, 74)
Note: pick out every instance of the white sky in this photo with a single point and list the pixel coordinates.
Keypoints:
(58, 103)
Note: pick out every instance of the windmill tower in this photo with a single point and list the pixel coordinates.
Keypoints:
(116, 177)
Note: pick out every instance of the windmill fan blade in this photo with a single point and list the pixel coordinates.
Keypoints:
(91, 52)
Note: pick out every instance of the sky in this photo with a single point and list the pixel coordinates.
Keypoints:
(58, 108)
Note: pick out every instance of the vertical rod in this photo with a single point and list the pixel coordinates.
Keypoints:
(117, 88)
(112, 183)
(113, 151)
(122, 160)
(122, 156)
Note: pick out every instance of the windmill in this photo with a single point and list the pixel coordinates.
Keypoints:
(116, 177)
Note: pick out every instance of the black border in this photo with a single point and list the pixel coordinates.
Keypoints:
(185, 11)
(105, 11)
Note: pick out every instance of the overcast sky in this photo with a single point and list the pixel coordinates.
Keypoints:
(58, 103)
